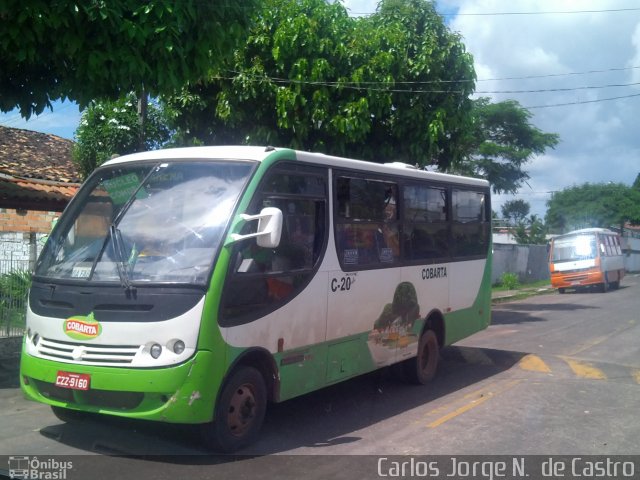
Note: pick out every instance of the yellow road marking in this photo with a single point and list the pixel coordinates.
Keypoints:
(585, 370)
(474, 403)
(636, 375)
(534, 363)
(475, 394)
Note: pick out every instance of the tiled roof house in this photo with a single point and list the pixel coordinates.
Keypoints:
(37, 180)
(36, 171)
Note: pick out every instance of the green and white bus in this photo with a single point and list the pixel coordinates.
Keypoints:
(196, 285)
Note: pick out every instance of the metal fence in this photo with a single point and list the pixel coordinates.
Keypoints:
(15, 279)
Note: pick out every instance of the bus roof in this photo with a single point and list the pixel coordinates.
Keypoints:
(258, 154)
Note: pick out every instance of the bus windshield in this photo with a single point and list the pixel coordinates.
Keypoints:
(573, 248)
(151, 223)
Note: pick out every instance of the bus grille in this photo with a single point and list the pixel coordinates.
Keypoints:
(576, 278)
(87, 354)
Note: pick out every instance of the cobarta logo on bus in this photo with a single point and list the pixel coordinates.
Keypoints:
(82, 328)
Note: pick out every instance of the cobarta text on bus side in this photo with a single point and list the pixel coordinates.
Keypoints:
(434, 272)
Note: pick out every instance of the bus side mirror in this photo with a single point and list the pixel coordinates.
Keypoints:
(269, 227)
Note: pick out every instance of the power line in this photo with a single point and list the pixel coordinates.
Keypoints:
(384, 86)
(565, 89)
(497, 14)
(582, 102)
(17, 118)
(550, 75)
(551, 12)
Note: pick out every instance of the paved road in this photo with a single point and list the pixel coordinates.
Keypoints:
(554, 374)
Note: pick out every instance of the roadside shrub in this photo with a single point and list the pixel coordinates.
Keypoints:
(14, 289)
(509, 281)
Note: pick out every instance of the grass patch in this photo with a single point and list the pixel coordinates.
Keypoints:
(524, 291)
(533, 285)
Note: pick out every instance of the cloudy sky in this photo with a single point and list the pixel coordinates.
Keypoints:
(565, 60)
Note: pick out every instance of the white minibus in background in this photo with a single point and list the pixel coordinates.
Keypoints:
(591, 256)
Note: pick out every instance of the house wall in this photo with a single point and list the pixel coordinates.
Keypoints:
(631, 249)
(529, 262)
(26, 221)
(22, 235)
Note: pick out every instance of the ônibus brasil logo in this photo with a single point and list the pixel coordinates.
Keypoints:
(82, 328)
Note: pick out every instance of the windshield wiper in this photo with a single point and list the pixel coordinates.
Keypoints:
(116, 236)
(118, 249)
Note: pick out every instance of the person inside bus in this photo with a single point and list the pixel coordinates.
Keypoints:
(390, 247)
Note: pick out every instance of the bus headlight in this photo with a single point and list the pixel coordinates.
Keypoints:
(178, 347)
(155, 350)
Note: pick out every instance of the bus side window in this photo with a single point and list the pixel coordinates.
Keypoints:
(470, 227)
(367, 228)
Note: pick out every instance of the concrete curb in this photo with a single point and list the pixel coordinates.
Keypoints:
(506, 295)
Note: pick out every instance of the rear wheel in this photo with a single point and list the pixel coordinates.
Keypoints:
(239, 413)
(423, 367)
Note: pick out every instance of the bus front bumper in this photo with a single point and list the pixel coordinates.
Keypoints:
(576, 279)
(178, 394)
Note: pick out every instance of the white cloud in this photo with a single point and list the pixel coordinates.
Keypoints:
(635, 60)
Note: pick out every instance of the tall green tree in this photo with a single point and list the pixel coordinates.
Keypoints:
(381, 88)
(111, 128)
(499, 142)
(593, 205)
(93, 49)
(515, 211)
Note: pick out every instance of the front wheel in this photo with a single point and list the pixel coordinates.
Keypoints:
(239, 413)
(423, 368)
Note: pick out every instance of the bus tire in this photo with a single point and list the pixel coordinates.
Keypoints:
(69, 416)
(561, 290)
(239, 412)
(423, 367)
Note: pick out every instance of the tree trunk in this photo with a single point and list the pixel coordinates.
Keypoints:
(143, 101)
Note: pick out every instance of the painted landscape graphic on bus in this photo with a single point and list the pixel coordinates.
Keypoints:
(392, 335)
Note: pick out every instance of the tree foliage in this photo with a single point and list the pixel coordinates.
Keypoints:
(499, 142)
(593, 205)
(531, 231)
(377, 88)
(515, 211)
(113, 128)
(83, 51)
